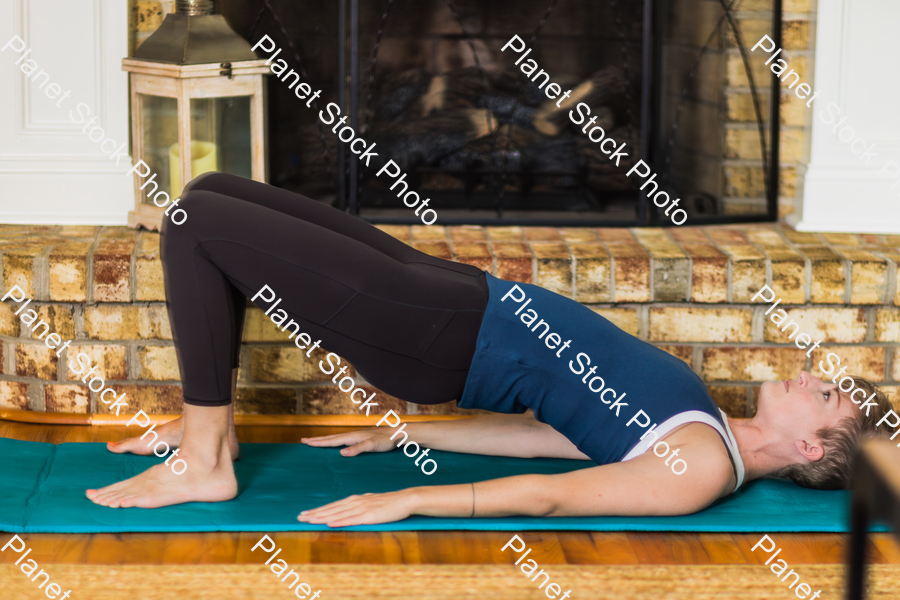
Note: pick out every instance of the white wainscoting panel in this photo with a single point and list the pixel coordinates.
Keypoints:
(50, 171)
(857, 48)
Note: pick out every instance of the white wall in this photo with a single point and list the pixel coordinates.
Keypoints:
(50, 172)
(857, 49)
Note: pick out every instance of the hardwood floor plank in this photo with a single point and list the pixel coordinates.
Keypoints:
(614, 548)
(668, 548)
(202, 548)
(721, 548)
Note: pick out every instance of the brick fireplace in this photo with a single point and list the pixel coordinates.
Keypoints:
(665, 76)
(686, 290)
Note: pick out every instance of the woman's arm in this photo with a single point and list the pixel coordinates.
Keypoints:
(642, 486)
(495, 435)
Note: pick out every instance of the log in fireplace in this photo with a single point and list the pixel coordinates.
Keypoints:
(476, 133)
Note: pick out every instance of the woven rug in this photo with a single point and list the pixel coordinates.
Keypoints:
(442, 582)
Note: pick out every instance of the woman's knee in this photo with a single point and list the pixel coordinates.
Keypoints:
(197, 205)
(212, 180)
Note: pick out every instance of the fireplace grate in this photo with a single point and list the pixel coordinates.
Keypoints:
(428, 81)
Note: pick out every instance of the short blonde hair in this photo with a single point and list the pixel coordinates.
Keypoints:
(832, 471)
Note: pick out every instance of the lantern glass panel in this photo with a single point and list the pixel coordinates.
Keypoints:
(220, 132)
(159, 128)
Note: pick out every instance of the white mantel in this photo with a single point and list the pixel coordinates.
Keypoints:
(857, 49)
(50, 172)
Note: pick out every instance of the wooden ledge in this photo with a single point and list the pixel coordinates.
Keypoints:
(43, 418)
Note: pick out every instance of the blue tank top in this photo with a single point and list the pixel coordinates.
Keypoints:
(581, 374)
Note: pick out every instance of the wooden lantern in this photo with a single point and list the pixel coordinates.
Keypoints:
(197, 105)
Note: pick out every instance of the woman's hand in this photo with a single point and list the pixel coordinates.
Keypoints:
(368, 509)
(365, 440)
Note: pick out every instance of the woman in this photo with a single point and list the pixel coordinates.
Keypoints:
(428, 330)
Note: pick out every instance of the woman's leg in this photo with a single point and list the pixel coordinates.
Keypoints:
(319, 214)
(409, 327)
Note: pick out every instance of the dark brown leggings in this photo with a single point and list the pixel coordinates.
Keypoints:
(407, 321)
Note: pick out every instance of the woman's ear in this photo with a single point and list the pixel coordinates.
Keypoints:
(811, 452)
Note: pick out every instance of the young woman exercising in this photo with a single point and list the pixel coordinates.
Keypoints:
(429, 330)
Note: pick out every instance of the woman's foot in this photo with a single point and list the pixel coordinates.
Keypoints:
(209, 477)
(170, 433)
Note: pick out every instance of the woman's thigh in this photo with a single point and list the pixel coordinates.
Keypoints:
(409, 327)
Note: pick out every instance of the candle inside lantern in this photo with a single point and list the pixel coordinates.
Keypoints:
(204, 158)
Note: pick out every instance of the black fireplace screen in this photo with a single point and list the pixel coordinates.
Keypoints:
(474, 127)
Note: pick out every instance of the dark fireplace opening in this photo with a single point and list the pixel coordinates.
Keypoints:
(429, 83)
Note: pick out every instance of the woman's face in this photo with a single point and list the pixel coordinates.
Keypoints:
(798, 408)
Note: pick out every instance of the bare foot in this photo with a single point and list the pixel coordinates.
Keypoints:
(170, 433)
(204, 480)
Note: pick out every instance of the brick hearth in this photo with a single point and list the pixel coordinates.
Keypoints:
(686, 290)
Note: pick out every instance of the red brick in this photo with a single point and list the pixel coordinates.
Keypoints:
(693, 324)
(477, 254)
(726, 236)
(577, 234)
(21, 267)
(436, 249)
(827, 267)
(689, 235)
(802, 237)
(514, 261)
(148, 274)
(277, 364)
(625, 319)
(887, 325)
(731, 399)
(592, 272)
(329, 400)
(59, 318)
(505, 234)
(9, 322)
(36, 361)
(542, 234)
(684, 353)
(671, 266)
(841, 325)
(14, 395)
(554, 267)
(752, 364)
(868, 277)
(631, 272)
(614, 234)
(110, 361)
(466, 233)
(152, 399)
(709, 273)
(265, 401)
(67, 398)
(68, 272)
(863, 361)
(841, 239)
(112, 269)
(748, 270)
(400, 232)
(788, 275)
(159, 363)
(422, 233)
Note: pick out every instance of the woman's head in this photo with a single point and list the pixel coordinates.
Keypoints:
(823, 424)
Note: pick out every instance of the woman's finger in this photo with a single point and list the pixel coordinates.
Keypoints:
(336, 439)
(330, 504)
(363, 446)
(329, 510)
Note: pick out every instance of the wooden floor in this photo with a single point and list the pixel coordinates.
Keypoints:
(453, 547)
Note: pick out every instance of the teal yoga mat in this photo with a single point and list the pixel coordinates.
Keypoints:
(43, 492)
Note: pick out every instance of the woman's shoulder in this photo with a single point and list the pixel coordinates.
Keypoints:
(706, 454)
